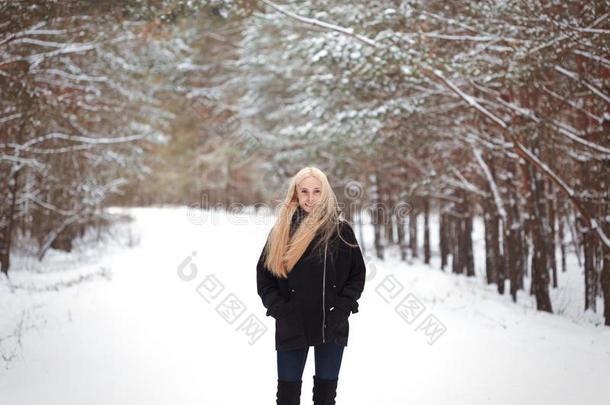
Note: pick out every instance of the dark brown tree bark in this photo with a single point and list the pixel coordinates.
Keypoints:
(426, 203)
(589, 250)
(605, 273)
(456, 258)
(514, 259)
(552, 247)
(491, 220)
(413, 233)
(562, 218)
(468, 244)
(492, 242)
(444, 238)
(6, 234)
(387, 214)
(538, 228)
(377, 218)
(461, 235)
(402, 243)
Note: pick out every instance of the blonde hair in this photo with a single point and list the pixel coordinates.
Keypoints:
(285, 251)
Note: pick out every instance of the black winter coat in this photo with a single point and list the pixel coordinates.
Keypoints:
(313, 304)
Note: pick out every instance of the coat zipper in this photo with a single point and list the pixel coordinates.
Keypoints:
(323, 296)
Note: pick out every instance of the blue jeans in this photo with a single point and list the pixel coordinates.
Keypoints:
(291, 363)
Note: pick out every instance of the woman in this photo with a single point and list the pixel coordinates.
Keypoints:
(309, 276)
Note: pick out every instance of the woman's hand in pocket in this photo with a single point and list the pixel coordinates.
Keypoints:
(337, 318)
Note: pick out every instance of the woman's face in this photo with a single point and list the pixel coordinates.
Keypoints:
(308, 192)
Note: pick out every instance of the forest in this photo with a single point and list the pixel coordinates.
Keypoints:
(498, 110)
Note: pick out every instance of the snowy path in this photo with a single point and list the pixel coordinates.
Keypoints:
(148, 337)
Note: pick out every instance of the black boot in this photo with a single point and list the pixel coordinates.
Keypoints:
(324, 391)
(288, 392)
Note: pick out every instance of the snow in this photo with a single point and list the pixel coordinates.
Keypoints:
(598, 228)
(322, 24)
(9, 118)
(134, 332)
(490, 181)
(575, 77)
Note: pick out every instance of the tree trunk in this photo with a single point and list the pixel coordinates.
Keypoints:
(400, 230)
(387, 216)
(539, 227)
(605, 273)
(589, 249)
(562, 218)
(551, 196)
(377, 220)
(492, 246)
(444, 238)
(426, 230)
(6, 236)
(468, 245)
(514, 262)
(413, 233)
(456, 259)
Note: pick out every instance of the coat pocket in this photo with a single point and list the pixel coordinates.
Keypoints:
(282, 310)
(338, 321)
(288, 328)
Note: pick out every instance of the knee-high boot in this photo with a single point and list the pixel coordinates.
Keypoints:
(289, 392)
(324, 391)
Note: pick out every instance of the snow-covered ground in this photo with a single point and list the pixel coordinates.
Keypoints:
(151, 325)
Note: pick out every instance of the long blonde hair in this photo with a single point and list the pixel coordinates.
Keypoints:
(283, 251)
